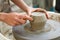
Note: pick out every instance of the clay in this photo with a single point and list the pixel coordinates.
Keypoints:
(39, 20)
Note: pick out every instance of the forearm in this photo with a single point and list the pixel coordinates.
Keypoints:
(21, 4)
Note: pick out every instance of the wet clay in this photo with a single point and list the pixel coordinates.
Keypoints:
(39, 20)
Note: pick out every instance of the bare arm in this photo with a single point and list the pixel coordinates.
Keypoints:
(21, 4)
(2, 16)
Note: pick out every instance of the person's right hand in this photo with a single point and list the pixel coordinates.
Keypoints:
(14, 19)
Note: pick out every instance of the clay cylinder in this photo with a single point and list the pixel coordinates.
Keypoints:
(39, 20)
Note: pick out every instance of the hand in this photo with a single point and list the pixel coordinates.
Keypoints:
(14, 19)
(30, 10)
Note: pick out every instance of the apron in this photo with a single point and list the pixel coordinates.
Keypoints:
(5, 29)
(4, 6)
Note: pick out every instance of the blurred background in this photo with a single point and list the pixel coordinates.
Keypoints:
(49, 5)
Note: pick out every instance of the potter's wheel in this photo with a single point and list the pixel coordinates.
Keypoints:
(51, 31)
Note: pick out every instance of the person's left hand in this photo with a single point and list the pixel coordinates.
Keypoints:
(30, 10)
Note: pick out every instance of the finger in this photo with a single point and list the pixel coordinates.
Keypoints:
(39, 10)
(27, 18)
(16, 23)
(47, 15)
(21, 21)
(21, 16)
(45, 12)
(42, 10)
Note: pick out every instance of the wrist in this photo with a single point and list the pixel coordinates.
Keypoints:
(2, 16)
(28, 9)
